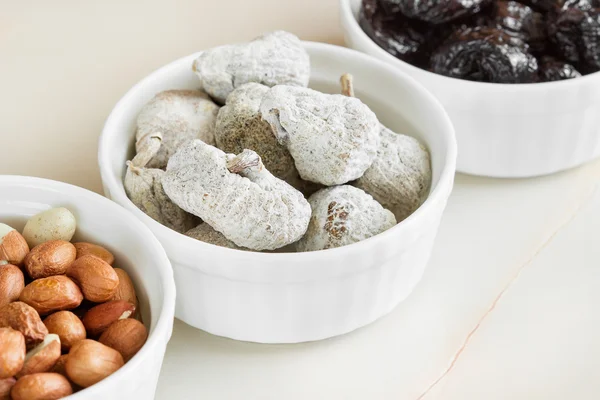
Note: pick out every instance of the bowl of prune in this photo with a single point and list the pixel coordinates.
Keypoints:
(519, 79)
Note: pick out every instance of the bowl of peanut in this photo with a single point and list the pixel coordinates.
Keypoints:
(86, 295)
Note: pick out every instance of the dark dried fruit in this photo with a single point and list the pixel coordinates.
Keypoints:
(439, 11)
(542, 5)
(394, 33)
(520, 21)
(552, 69)
(486, 55)
(584, 5)
(498, 41)
(576, 33)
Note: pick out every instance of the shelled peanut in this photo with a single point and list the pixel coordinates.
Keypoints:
(66, 315)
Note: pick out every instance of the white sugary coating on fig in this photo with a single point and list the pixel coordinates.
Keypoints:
(144, 188)
(239, 126)
(205, 233)
(274, 58)
(343, 215)
(237, 196)
(400, 176)
(179, 116)
(332, 138)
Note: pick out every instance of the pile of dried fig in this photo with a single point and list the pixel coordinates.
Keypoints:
(67, 316)
(281, 167)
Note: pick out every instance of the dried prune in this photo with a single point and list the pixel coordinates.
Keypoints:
(498, 41)
(389, 6)
(542, 5)
(583, 5)
(439, 11)
(521, 21)
(487, 55)
(394, 33)
(552, 69)
(575, 31)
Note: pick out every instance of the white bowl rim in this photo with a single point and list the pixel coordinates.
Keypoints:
(164, 320)
(347, 14)
(438, 194)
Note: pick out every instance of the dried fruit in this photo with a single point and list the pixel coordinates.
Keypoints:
(5, 387)
(100, 317)
(500, 41)
(237, 196)
(53, 224)
(125, 290)
(275, 58)
(332, 138)
(486, 55)
(575, 32)
(403, 38)
(49, 258)
(552, 69)
(98, 280)
(208, 234)
(179, 116)
(89, 362)
(522, 22)
(127, 336)
(439, 11)
(42, 357)
(240, 126)
(343, 215)
(67, 326)
(400, 177)
(13, 247)
(42, 386)
(542, 5)
(12, 352)
(50, 294)
(12, 283)
(143, 186)
(25, 319)
(84, 248)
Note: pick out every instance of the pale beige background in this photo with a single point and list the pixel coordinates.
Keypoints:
(507, 308)
(65, 63)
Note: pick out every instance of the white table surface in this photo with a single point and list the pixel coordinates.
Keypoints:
(507, 308)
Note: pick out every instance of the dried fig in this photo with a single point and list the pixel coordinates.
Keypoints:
(332, 138)
(276, 58)
(179, 116)
(343, 215)
(237, 196)
(144, 187)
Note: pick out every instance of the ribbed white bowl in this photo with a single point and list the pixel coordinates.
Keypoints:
(136, 251)
(505, 130)
(287, 298)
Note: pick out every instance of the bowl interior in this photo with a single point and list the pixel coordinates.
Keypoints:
(102, 222)
(399, 102)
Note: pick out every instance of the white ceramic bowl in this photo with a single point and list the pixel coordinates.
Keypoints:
(504, 130)
(296, 297)
(136, 250)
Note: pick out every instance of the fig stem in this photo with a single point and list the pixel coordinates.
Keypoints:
(246, 159)
(347, 82)
(148, 145)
